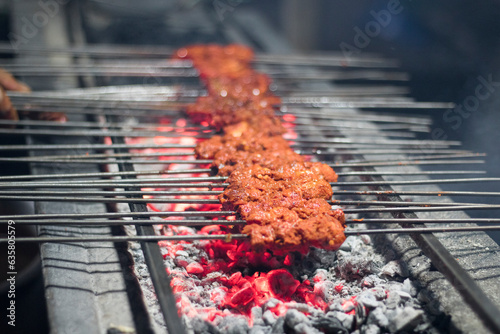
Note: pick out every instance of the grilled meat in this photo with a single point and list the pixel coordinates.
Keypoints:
(282, 197)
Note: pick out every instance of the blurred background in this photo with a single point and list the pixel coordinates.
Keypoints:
(450, 48)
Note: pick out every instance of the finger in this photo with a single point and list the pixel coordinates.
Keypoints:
(7, 111)
(8, 82)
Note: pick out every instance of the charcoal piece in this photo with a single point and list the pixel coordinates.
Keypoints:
(345, 319)
(407, 319)
(279, 326)
(269, 318)
(329, 325)
(370, 329)
(409, 288)
(260, 330)
(272, 302)
(368, 299)
(377, 317)
(257, 316)
(294, 317)
(379, 293)
(233, 325)
(201, 326)
(403, 295)
(394, 268)
(393, 300)
(304, 328)
(336, 306)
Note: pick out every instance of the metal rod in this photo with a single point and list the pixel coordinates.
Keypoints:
(415, 182)
(179, 72)
(332, 114)
(230, 237)
(119, 215)
(125, 183)
(113, 51)
(405, 163)
(113, 174)
(76, 147)
(313, 146)
(335, 103)
(143, 125)
(99, 133)
(109, 200)
(424, 157)
(423, 220)
(183, 222)
(124, 125)
(106, 161)
(205, 222)
(50, 195)
(423, 230)
(106, 175)
(416, 193)
(434, 172)
(368, 163)
(421, 209)
(165, 182)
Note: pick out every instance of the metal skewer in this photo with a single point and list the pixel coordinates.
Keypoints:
(166, 183)
(91, 158)
(389, 130)
(225, 222)
(229, 237)
(416, 193)
(123, 51)
(106, 175)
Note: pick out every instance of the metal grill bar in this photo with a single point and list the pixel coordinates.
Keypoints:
(229, 237)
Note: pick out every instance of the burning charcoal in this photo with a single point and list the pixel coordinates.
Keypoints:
(378, 318)
(269, 317)
(368, 299)
(182, 261)
(323, 289)
(320, 275)
(407, 319)
(348, 306)
(194, 268)
(271, 303)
